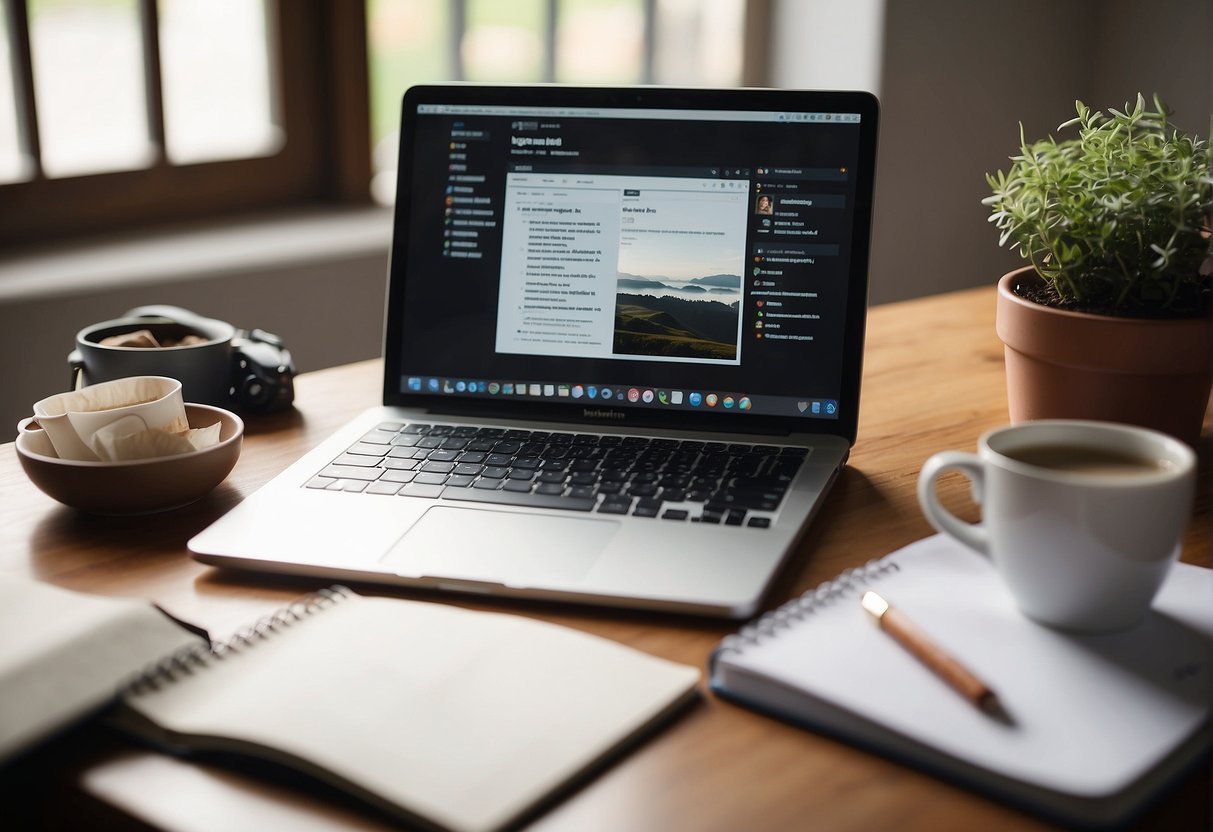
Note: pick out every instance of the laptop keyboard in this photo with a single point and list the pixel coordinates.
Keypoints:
(671, 479)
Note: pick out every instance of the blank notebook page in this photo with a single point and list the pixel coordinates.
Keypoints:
(464, 718)
(1091, 712)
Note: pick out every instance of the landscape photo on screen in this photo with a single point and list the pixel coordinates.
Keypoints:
(679, 283)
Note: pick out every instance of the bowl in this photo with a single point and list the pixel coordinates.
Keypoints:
(136, 486)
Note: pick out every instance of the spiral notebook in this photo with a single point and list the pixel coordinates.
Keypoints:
(441, 716)
(1099, 724)
(456, 719)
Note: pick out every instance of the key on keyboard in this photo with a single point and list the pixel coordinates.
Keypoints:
(678, 480)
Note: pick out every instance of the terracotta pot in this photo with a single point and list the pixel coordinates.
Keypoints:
(1061, 364)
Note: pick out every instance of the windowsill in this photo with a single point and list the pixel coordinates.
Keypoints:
(196, 251)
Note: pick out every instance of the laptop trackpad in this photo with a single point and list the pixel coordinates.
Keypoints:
(500, 547)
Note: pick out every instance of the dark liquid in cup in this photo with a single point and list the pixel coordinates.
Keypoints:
(151, 336)
(1104, 462)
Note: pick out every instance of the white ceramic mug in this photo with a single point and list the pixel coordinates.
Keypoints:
(1082, 540)
(74, 420)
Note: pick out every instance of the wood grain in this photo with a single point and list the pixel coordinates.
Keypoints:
(932, 381)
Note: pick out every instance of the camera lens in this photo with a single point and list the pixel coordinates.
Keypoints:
(261, 374)
(253, 391)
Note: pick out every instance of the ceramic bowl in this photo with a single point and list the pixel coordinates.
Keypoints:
(137, 486)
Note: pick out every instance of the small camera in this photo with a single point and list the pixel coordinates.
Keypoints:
(263, 374)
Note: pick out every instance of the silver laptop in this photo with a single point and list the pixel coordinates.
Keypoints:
(623, 341)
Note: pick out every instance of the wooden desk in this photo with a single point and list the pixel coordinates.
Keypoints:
(933, 379)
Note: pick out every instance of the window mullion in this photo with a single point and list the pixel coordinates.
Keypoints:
(458, 28)
(550, 22)
(23, 75)
(756, 50)
(149, 23)
(647, 72)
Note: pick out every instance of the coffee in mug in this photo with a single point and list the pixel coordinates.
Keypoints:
(1108, 462)
(200, 355)
(1082, 519)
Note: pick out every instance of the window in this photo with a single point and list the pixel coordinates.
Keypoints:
(121, 113)
(674, 42)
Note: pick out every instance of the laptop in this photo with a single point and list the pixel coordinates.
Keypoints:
(622, 352)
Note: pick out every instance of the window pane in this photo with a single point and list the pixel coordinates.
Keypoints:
(699, 42)
(13, 164)
(89, 86)
(215, 73)
(504, 41)
(600, 41)
(408, 43)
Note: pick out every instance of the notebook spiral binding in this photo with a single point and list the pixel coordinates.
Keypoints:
(187, 660)
(847, 584)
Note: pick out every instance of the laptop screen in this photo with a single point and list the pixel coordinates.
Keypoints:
(647, 256)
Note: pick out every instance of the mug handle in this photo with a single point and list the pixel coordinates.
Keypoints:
(75, 363)
(973, 535)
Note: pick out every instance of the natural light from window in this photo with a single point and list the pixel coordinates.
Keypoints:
(694, 43)
(504, 41)
(89, 86)
(217, 70)
(214, 59)
(91, 90)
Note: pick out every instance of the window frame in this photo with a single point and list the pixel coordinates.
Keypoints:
(317, 51)
(318, 55)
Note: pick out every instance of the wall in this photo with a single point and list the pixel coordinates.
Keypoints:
(1164, 46)
(955, 80)
(958, 79)
(328, 307)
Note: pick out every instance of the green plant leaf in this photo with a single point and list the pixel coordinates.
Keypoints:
(1112, 218)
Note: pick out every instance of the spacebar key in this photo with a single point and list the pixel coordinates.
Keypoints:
(516, 498)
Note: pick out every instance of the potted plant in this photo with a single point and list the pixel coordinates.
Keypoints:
(1111, 320)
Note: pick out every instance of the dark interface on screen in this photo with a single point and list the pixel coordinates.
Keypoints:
(664, 258)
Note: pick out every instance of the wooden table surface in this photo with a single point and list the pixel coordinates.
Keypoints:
(933, 380)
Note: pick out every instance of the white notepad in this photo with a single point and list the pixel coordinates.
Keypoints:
(466, 720)
(1100, 722)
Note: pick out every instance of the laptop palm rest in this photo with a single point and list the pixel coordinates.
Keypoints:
(500, 547)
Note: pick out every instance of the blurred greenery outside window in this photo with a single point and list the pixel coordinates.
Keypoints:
(673, 42)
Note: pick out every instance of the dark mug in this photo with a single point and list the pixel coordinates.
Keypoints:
(204, 369)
